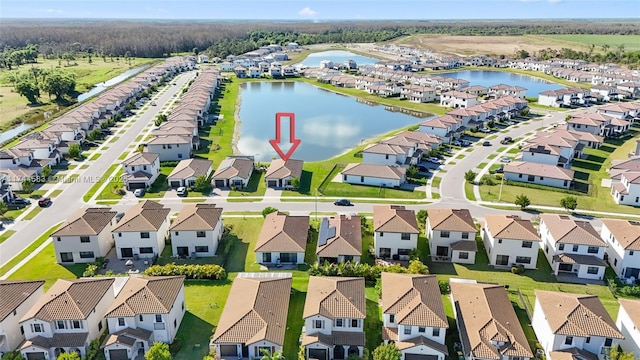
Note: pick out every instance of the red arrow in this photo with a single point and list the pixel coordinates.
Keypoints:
(292, 135)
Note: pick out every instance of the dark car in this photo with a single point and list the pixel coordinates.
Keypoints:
(44, 202)
(106, 132)
(21, 201)
(342, 202)
(486, 143)
(423, 168)
(500, 170)
(506, 140)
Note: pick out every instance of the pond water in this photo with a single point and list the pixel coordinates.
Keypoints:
(486, 78)
(337, 56)
(9, 134)
(327, 123)
(100, 87)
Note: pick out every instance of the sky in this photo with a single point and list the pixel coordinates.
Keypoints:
(319, 10)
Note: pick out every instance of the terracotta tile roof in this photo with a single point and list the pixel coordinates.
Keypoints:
(389, 333)
(70, 299)
(144, 216)
(485, 314)
(511, 227)
(67, 340)
(576, 315)
(146, 295)
(283, 233)
(626, 232)
(194, 217)
(232, 167)
(572, 354)
(256, 310)
(86, 221)
(414, 300)
(279, 169)
(376, 171)
(383, 148)
(127, 337)
(451, 220)
(14, 293)
(141, 158)
(536, 169)
(563, 229)
(170, 140)
(191, 168)
(632, 307)
(341, 235)
(395, 218)
(335, 297)
(421, 340)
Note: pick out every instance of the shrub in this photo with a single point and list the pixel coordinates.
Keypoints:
(369, 272)
(210, 272)
(523, 201)
(444, 286)
(487, 180)
(422, 216)
(470, 175)
(268, 210)
(569, 202)
(518, 269)
(90, 271)
(630, 291)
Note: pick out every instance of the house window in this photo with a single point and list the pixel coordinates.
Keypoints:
(631, 253)
(58, 238)
(177, 233)
(531, 178)
(344, 178)
(60, 324)
(200, 234)
(99, 325)
(202, 249)
(339, 323)
(392, 318)
(592, 270)
(561, 247)
(182, 306)
(499, 241)
(37, 328)
(179, 156)
(593, 249)
(77, 324)
(465, 235)
(405, 236)
(404, 251)
(541, 177)
(568, 340)
(158, 318)
(120, 321)
(175, 323)
(119, 234)
(354, 323)
(527, 244)
(520, 176)
(407, 330)
(575, 248)
(588, 339)
(84, 239)
(66, 257)
(144, 167)
(386, 157)
(361, 179)
(86, 255)
(318, 324)
(435, 332)
(144, 235)
(140, 318)
(445, 234)
(463, 255)
(381, 234)
(608, 342)
(146, 250)
(565, 183)
(523, 259)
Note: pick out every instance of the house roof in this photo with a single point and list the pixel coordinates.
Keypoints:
(511, 227)
(486, 315)
(564, 229)
(146, 295)
(14, 293)
(385, 149)
(395, 219)
(283, 233)
(376, 171)
(536, 169)
(127, 337)
(141, 158)
(191, 168)
(144, 216)
(340, 235)
(86, 221)
(632, 307)
(256, 310)
(335, 297)
(451, 220)
(414, 299)
(576, 315)
(280, 169)
(194, 217)
(68, 340)
(570, 258)
(234, 167)
(421, 340)
(336, 337)
(572, 354)
(70, 299)
(626, 232)
(170, 139)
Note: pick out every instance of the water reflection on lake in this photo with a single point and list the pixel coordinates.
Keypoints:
(337, 57)
(486, 78)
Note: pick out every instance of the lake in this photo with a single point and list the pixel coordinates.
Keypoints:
(100, 87)
(327, 123)
(337, 56)
(486, 78)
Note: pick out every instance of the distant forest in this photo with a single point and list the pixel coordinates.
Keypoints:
(222, 38)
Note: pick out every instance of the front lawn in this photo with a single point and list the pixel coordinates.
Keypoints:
(255, 187)
(44, 267)
(113, 188)
(160, 186)
(336, 189)
(5, 235)
(94, 188)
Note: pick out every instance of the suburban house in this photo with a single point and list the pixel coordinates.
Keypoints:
(383, 153)
(254, 319)
(627, 190)
(146, 310)
(339, 239)
(16, 298)
(334, 313)
(187, 171)
(6, 193)
(452, 235)
(488, 326)
(628, 323)
(623, 253)
(536, 173)
(572, 247)
(502, 90)
(12, 179)
(170, 147)
(395, 231)
(446, 127)
(233, 172)
(280, 173)
(413, 316)
(374, 175)
(577, 324)
(52, 327)
(283, 239)
(142, 231)
(141, 170)
(457, 99)
(197, 230)
(241, 72)
(85, 236)
(510, 240)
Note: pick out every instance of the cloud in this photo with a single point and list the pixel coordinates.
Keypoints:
(53, 11)
(308, 12)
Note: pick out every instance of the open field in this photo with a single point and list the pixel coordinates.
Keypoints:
(630, 42)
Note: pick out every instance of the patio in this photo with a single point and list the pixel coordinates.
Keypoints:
(125, 266)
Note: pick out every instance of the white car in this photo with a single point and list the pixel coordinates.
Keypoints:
(181, 191)
(434, 160)
(138, 192)
(484, 130)
(509, 122)
(505, 159)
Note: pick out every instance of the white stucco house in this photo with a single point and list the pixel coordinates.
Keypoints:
(374, 175)
(627, 190)
(197, 230)
(85, 236)
(280, 173)
(628, 322)
(623, 237)
(171, 147)
(140, 170)
(233, 172)
(16, 297)
(142, 231)
(339, 239)
(510, 240)
(282, 239)
(187, 171)
(395, 231)
(452, 235)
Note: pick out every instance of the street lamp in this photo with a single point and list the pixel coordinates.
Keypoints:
(316, 204)
(501, 183)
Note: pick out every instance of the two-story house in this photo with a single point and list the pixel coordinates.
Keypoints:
(14, 158)
(510, 240)
(627, 190)
(339, 239)
(395, 231)
(140, 170)
(572, 247)
(572, 323)
(254, 320)
(446, 127)
(196, 231)
(452, 235)
(413, 315)
(334, 313)
(628, 322)
(146, 310)
(66, 318)
(488, 326)
(16, 298)
(280, 173)
(171, 147)
(282, 239)
(85, 236)
(623, 237)
(142, 231)
(458, 99)
(382, 153)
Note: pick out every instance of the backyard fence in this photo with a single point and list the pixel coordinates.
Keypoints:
(334, 170)
(525, 304)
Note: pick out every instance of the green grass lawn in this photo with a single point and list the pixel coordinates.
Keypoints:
(97, 185)
(354, 191)
(468, 191)
(33, 213)
(94, 156)
(6, 234)
(44, 266)
(28, 250)
(255, 187)
(630, 42)
(111, 191)
(160, 186)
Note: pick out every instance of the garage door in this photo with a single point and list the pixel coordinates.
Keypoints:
(420, 357)
(272, 183)
(228, 351)
(320, 354)
(175, 184)
(119, 354)
(35, 356)
(136, 185)
(219, 183)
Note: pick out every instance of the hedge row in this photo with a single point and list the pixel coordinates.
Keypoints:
(210, 272)
(369, 272)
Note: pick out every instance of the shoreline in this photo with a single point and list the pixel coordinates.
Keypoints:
(236, 126)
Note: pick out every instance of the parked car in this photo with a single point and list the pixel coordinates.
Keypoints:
(505, 159)
(500, 170)
(486, 143)
(484, 130)
(44, 201)
(181, 191)
(457, 143)
(139, 192)
(465, 143)
(423, 168)
(119, 216)
(21, 201)
(153, 103)
(434, 160)
(342, 202)
(506, 140)
(509, 122)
